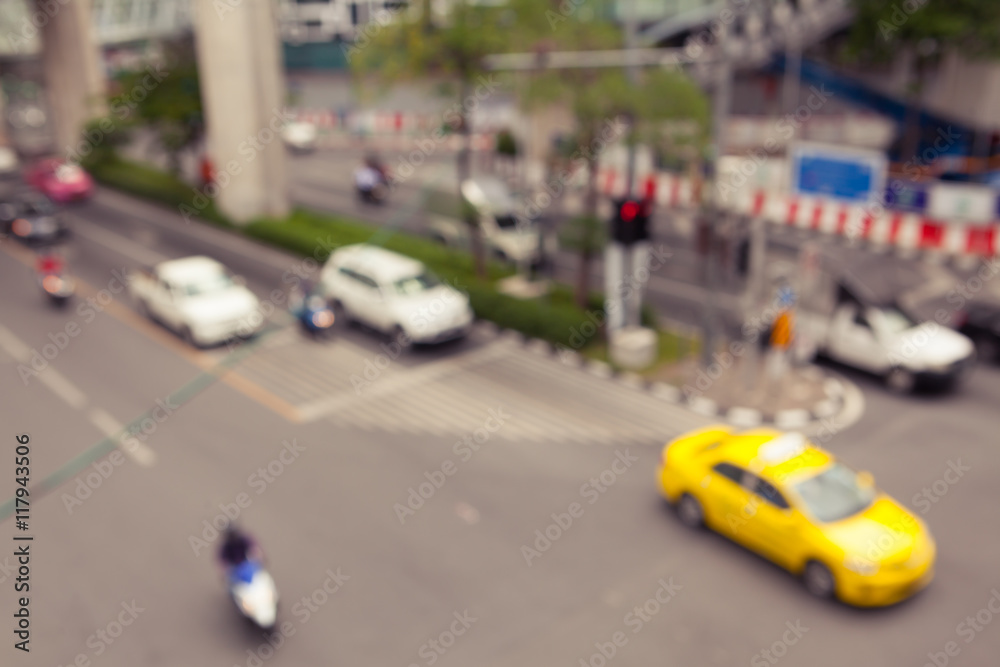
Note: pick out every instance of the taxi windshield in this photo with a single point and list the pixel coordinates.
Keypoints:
(835, 494)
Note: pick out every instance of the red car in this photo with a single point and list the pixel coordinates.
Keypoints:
(60, 181)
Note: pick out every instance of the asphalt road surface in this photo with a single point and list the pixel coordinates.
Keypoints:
(119, 576)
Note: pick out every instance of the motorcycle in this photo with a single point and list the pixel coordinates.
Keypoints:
(58, 288)
(378, 192)
(316, 316)
(254, 593)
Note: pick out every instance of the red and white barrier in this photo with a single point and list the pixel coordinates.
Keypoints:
(910, 231)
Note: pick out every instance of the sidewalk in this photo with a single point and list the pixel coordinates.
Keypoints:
(743, 389)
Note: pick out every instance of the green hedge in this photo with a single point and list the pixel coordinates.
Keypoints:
(153, 184)
(555, 318)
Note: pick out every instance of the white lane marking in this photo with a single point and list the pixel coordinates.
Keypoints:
(119, 244)
(110, 427)
(402, 379)
(49, 376)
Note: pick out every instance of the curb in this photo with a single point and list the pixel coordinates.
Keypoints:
(740, 416)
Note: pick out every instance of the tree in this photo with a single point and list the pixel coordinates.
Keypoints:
(169, 103)
(925, 30)
(414, 43)
(608, 107)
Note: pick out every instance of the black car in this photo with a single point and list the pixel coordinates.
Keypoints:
(32, 218)
(981, 322)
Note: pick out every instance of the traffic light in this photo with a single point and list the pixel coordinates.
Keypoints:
(631, 222)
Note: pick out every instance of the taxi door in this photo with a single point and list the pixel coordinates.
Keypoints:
(774, 530)
(726, 500)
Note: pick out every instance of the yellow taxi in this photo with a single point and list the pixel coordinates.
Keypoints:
(782, 496)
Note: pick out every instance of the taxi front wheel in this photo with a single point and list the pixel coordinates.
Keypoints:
(819, 580)
(689, 511)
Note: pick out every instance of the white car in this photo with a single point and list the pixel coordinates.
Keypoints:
(300, 136)
(395, 295)
(199, 299)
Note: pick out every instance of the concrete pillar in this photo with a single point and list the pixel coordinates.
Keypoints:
(242, 88)
(71, 64)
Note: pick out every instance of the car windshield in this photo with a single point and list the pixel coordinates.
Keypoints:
(207, 285)
(506, 222)
(834, 494)
(897, 321)
(39, 206)
(417, 284)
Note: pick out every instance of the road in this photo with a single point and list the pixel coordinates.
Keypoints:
(387, 586)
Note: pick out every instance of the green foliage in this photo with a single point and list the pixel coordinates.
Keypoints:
(585, 234)
(169, 103)
(883, 27)
(153, 184)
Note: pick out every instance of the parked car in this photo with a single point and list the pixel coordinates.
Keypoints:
(9, 162)
(61, 181)
(395, 295)
(199, 299)
(32, 218)
(854, 317)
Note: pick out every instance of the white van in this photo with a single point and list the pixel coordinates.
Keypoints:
(508, 238)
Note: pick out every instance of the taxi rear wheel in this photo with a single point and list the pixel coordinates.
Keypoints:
(819, 580)
(690, 512)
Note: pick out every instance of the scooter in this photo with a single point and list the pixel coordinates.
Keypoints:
(254, 594)
(58, 288)
(316, 316)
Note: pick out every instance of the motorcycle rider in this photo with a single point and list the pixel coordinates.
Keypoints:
(238, 548)
(50, 263)
(370, 176)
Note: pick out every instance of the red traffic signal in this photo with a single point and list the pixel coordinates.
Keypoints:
(629, 210)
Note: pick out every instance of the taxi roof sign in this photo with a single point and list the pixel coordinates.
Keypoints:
(783, 448)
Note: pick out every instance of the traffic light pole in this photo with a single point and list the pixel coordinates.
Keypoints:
(634, 253)
(714, 211)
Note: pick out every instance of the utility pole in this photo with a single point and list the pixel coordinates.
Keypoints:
(715, 210)
(636, 254)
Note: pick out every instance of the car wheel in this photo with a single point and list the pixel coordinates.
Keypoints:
(188, 336)
(399, 336)
(819, 580)
(144, 309)
(690, 512)
(900, 380)
(340, 313)
(987, 348)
